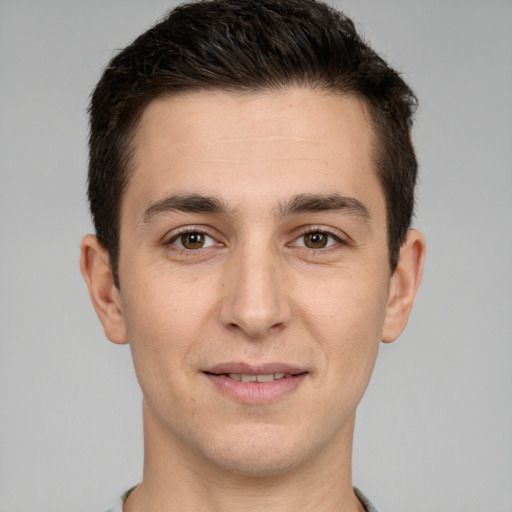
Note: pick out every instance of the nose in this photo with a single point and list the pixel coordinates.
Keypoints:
(255, 295)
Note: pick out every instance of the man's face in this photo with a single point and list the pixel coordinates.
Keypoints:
(253, 246)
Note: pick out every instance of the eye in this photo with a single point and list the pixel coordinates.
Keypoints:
(192, 240)
(316, 240)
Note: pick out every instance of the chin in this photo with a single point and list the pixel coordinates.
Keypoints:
(262, 466)
(257, 454)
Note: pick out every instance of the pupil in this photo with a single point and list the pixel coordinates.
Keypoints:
(192, 240)
(316, 240)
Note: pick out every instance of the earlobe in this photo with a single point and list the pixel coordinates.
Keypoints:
(404, 285)
(97, 273)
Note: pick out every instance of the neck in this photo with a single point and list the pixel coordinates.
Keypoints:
(178, 479)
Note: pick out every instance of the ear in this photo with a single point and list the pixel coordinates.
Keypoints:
(404, 285)
(95, 267)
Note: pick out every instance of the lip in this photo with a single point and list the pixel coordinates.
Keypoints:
(260, 369)
(255, 393)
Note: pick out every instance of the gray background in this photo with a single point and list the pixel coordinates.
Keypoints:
(434, 432)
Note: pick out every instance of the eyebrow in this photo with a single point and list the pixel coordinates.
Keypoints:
(301, 203)
(189, 203)
(306, 203)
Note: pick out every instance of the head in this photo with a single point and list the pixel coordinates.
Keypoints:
(252, 184)
(245, 46)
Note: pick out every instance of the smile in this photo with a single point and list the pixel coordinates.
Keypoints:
(255, 385)
(244, 377)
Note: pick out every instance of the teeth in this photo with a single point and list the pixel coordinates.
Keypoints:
(265, 378)
(258, 378)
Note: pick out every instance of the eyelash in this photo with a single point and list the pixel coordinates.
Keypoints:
(335, 238)
(189, 231)
(333, 242)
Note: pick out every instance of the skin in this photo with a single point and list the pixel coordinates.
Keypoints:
(256, 291)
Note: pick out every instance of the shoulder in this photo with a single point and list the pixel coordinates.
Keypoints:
(368, 505)
(118, 507)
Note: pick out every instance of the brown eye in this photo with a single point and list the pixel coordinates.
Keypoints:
(192, 240)
(316, 240)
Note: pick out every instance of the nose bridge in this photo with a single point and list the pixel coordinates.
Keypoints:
(255, 297)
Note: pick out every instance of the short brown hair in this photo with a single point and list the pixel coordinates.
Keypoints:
(244, 45)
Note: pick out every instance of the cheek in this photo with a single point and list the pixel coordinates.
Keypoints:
(161, 319)
(346, 319)
(165, 307)
(161, 326)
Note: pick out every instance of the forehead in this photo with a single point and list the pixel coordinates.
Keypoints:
(252, 147)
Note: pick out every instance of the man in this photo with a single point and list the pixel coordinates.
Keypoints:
(252, 184)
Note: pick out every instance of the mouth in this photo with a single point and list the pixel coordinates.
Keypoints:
(251, 377)
(256, 385)
(268, 377)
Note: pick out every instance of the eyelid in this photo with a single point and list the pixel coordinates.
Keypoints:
(174, 235)
(339, 237)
